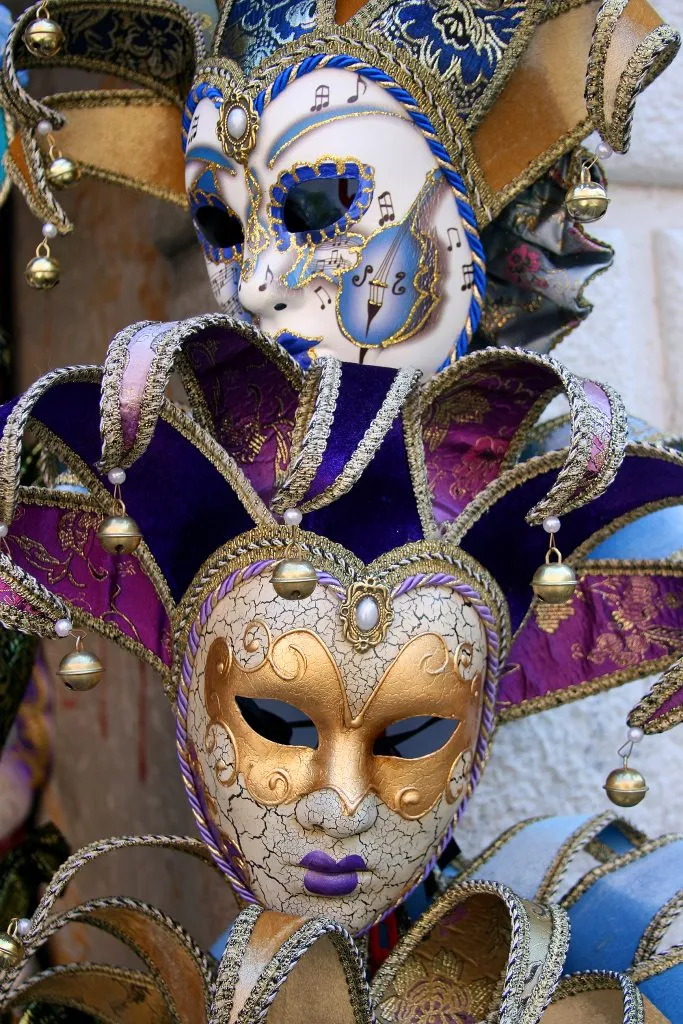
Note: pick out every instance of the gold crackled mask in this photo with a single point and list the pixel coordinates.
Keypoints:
(423, 682)
(336, 762)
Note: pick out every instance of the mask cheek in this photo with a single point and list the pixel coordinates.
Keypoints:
(412, 786)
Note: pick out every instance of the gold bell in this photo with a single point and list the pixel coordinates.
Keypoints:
(294, 578)
(43, 37)
(43, 270)
(554, 582)
(11, 951)
(625, 786)
(80, 670)
(63, 172)
(588, 200)
(119, 535)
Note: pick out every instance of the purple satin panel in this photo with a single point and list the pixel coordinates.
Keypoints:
(184, 507)
(141, 354)
(512, 551)
(361, 393)
(468, 430)
(251, 402)
(60, 548)
(615, 623)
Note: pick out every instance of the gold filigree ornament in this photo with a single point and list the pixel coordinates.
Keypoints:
(237, 127)
(366, 614)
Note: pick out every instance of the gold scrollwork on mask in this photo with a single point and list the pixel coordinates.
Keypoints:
(366, 614)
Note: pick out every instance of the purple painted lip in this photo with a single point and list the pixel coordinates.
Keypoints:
(329, 877)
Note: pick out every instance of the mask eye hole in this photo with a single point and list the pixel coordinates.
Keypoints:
(415, 737)
(319, 203)
(219, 227)
(278, 722)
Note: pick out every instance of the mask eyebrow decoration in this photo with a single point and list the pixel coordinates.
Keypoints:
(312, 204)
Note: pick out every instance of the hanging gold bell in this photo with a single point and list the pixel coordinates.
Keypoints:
(11, 951)
(43, 37)
(80, 670)
(294, 578)
(554, 582)
(587, 201)
(119, 535)
(63, 172)
(625, 786)
(42, 271)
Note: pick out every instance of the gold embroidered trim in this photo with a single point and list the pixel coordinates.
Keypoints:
(654, 934)
(415, 451)
(589, 879)
(577, 841)
(402, 386)
(651, 56)
(670, 683)
(657, 964)
(304, 466)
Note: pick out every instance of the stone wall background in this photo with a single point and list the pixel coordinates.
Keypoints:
(115, 758)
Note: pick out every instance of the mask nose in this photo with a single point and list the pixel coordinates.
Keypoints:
(326, 810)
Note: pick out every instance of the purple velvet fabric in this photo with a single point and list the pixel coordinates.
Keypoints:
(615, 623)
(184, 508)
(512, 551)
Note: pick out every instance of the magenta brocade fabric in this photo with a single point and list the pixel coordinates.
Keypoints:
(616, 624)
(60, 548)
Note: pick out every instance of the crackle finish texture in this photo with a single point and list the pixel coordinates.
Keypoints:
(274, 839)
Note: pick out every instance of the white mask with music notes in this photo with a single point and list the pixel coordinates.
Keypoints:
(341, 235)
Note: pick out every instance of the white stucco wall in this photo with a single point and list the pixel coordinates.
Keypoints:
(556, 762)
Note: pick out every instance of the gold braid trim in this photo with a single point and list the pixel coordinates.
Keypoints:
(598, 981)
(401, 388)
(654, 934)
(670, 684)
(589, 879)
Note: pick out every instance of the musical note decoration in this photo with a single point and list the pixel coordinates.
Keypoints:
(268, 279)
(458, 243)
(325, 292)
(386, 208)
(322, 98)
(467, 277)
(360, 81)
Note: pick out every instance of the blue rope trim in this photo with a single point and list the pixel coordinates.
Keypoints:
(438, 149)
(199, 92)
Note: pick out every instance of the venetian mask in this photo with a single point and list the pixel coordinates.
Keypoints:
(334, 227)
(334, 738)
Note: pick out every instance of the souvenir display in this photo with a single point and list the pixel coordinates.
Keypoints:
(343, 561)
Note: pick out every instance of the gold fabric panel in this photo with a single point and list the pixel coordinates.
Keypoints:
(136, 144)
(541, 111)
(602, 1007)
(270, 932)
(109, 994)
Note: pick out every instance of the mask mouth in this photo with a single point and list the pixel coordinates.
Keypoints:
(327, 877)
(279, 306)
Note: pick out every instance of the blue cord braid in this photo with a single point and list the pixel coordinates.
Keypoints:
(199, 92)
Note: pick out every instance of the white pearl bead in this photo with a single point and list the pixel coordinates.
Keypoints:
(116, 476)
(4, 530)
(23, 926)
(49, 230)
(63, 627)
(551, 524)
(367, 614)
(43, 127)
(635, 734)
(604, 151)
(292, 517)
(237, 122)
